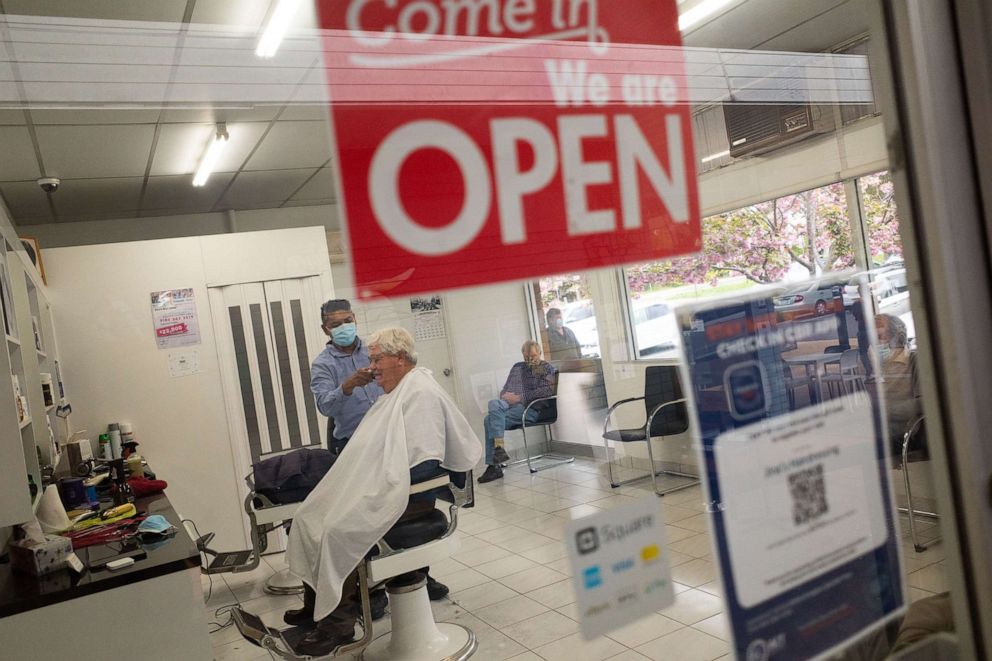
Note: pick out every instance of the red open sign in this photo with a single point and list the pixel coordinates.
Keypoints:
(488, 140)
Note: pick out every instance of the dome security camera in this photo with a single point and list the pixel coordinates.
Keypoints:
(49, 184)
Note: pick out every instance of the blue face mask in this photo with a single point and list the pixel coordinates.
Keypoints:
(157, 524)
(344, 335)
(559, 323)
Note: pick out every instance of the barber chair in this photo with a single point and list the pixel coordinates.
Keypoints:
(665, 414)
(264, 517)
(914, 449)
(406, 548)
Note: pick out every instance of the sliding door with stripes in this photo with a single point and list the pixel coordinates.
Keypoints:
(267, 334)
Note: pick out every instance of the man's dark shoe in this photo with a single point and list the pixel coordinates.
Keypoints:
(500, 456)
(378, 601)
(493, 472)
(322, 643)
(298, 617)
(436, 590)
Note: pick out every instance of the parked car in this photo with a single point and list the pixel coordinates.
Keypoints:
(580, 318)
(812, 299)
(884, 283)
(655, 328)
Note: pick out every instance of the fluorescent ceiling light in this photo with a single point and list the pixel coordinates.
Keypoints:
(713, 157)
(209, 160)
(701, 12)
(276, 28)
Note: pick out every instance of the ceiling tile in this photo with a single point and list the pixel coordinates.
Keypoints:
(73, 152)
(159, 10)
(95, 198)
(225, 12)
(292, 145)
(752, 22)
(316, 112)
(19, 161)
(95, 116)
(220, 114)
(178, 192)
(26, 201)
(180, 147)
(321, 187)
(243, 139)
(266, 188)
(12, 117)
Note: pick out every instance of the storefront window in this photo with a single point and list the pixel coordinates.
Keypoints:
(790, 239)
(566, 317)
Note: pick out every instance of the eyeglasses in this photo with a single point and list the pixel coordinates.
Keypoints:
(377, 358)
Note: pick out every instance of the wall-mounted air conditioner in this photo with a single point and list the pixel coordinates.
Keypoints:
(755, 129)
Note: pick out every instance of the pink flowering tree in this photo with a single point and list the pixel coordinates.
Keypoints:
(881, 217)
(762, 242)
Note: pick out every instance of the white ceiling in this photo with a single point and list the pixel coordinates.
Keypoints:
(156, 63)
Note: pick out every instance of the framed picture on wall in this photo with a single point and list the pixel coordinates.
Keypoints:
(34, 254)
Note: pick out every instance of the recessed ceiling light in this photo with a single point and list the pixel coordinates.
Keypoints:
(209, 160)
(276, 27)
(701, 12)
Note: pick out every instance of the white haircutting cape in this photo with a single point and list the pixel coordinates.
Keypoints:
(368, 487)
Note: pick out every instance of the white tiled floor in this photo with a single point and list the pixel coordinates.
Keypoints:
(510, 580)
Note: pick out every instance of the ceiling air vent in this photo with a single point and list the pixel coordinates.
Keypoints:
(752, 129)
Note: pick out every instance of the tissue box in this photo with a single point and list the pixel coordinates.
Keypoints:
(40, 557)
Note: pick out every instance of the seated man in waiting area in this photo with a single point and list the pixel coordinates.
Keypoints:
(530, 379)
(899, 379)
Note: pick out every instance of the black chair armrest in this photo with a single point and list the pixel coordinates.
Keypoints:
(609, 413)
(523, 421)
(655, 411)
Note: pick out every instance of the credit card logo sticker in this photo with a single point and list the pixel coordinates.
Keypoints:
(587, 541)
(650, 554)
(623, 565)
(627, 597)
(592, 577)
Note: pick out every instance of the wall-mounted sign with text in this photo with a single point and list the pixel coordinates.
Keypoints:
(793, 449)
(174, 318)
(479, 141)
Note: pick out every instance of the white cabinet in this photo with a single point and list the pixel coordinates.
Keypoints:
(31, 351)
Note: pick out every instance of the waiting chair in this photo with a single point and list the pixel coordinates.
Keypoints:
(850, 378)
(665, 415)
(914, 449)
(547, 416)
(792, 383)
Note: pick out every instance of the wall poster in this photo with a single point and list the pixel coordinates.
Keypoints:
(174, 318)
(795, 458)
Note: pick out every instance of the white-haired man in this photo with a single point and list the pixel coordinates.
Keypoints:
(411, 431)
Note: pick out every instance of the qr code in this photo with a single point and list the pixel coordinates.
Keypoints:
(809, 494)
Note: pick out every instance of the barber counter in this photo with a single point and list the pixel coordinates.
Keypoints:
(150, 610)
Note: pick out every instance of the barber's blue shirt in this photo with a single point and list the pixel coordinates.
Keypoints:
(329, 370)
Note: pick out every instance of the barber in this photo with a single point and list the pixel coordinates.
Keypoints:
(340, 377)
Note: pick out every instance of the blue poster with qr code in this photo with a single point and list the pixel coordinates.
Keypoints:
(793, 446)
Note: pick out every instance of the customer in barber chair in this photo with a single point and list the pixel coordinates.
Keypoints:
(530, 379)
(410, 430)
(899, 382)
